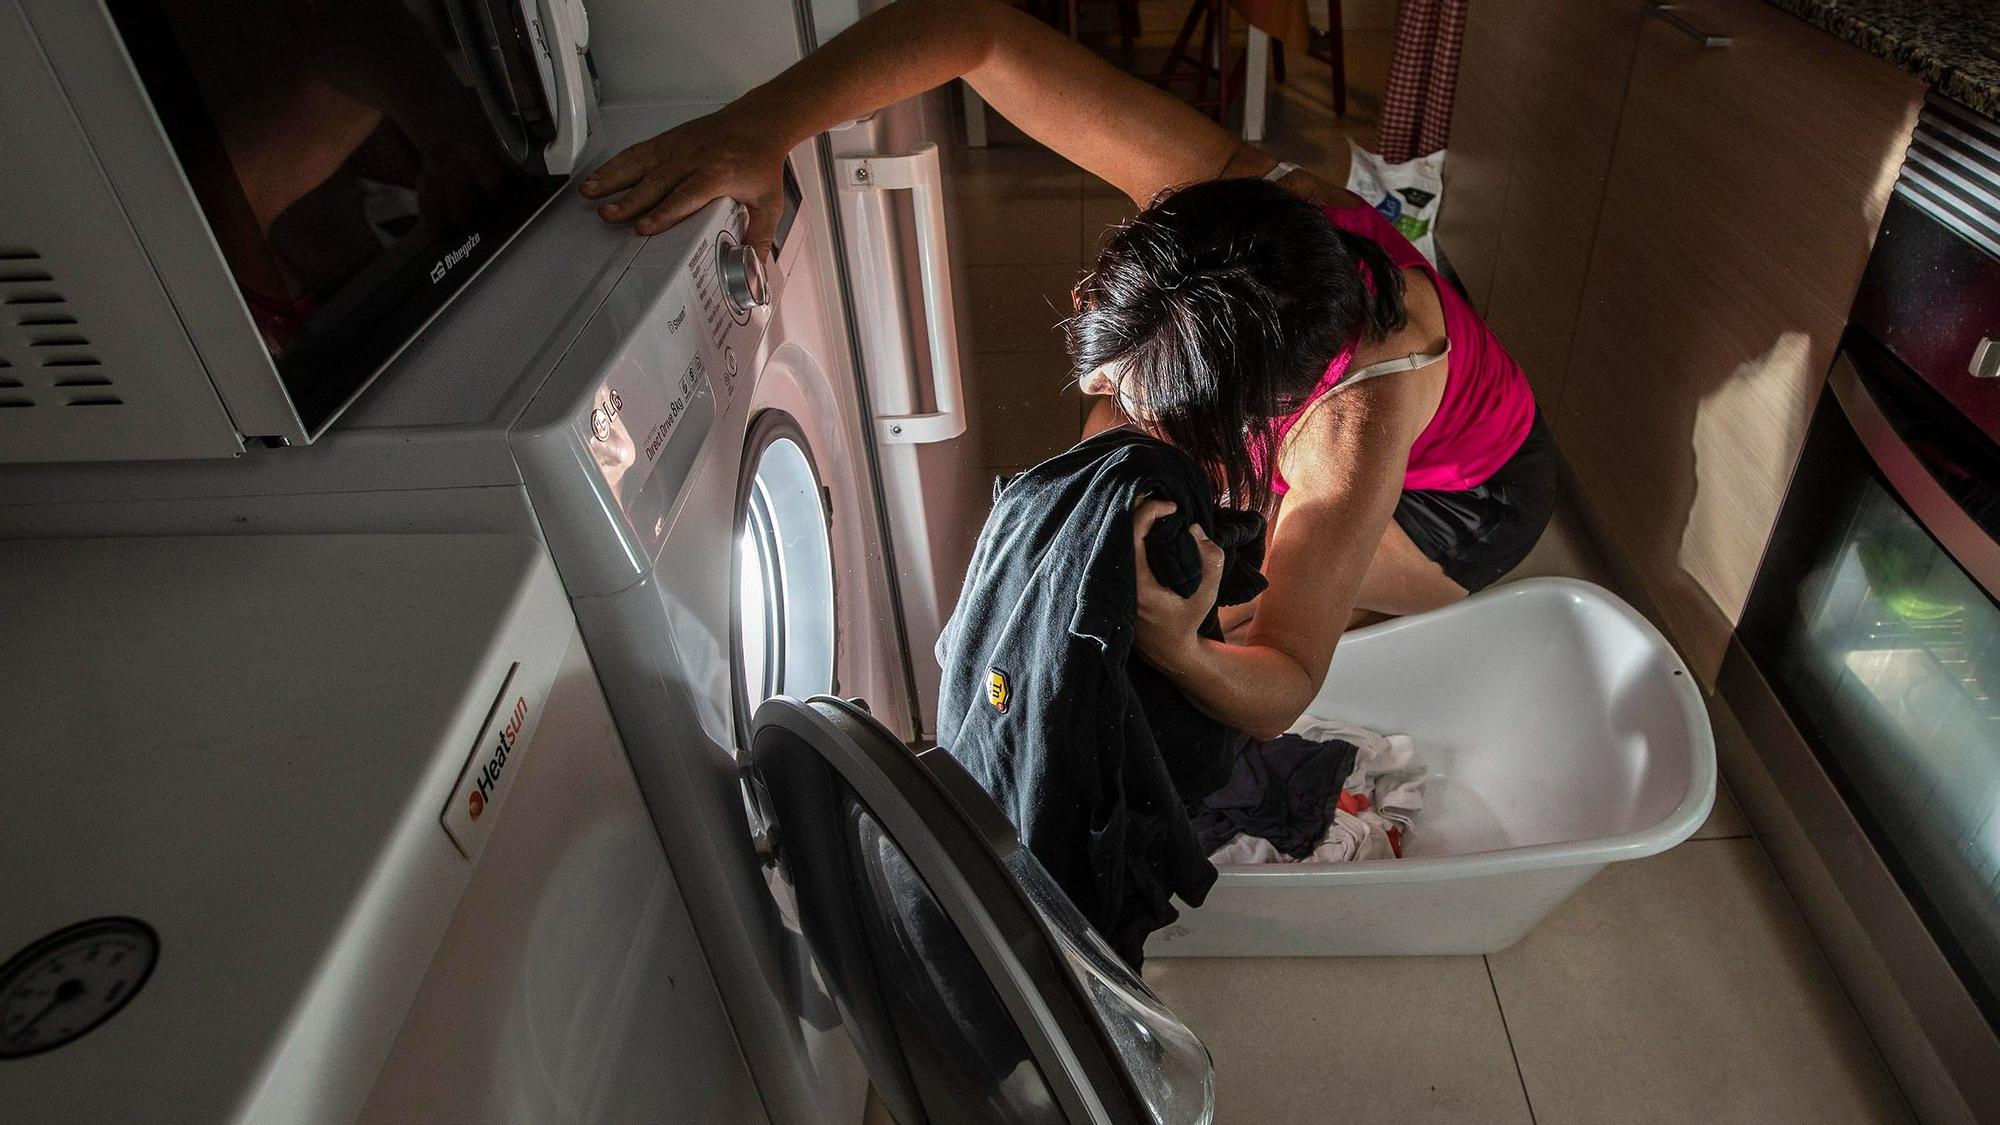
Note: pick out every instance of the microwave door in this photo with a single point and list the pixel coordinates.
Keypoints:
(489, 33)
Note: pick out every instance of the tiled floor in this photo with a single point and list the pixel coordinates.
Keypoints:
(1682, 988)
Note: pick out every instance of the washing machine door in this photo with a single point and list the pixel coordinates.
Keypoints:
(971, 986)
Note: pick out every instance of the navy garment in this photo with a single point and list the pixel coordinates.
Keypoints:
(1089, 750)
(1282, 790)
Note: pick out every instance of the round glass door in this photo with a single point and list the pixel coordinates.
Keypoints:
(783, 628)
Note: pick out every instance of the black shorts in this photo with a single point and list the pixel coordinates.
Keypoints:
(1479, 534)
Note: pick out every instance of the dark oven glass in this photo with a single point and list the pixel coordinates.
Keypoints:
(1886, 653)
(357, 160)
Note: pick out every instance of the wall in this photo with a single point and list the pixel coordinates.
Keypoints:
(689, 50)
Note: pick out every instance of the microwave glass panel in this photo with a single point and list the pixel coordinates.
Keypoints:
(357, 160)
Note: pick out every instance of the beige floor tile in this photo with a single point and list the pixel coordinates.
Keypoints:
(1024, 407)
(1726, 820)
(1017, 308)
(1311, 1040)
(1017, 204)
(1685, 988)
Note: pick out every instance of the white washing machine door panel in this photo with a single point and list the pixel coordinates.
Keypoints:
(972, 986)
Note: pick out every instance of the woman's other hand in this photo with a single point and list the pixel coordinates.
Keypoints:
(670, 177)
(1167, 627)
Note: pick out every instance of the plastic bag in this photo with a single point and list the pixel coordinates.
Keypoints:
(1407, 194)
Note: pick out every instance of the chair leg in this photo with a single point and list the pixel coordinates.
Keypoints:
(1175, 57)
(975, 115)
(1278, 60)
(1207, 65)
(1337, 55)
(1070, 17)
(1128, 24)
(1254, 81)
(1223, 75)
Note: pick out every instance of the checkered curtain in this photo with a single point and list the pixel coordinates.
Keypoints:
(1423, 74)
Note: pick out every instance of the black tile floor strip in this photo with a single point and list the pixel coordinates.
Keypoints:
(1526, 1098)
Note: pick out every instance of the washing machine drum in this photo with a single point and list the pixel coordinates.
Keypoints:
(972, 987)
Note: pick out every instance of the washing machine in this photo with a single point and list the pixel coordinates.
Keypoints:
(645, 463)
(639, 407)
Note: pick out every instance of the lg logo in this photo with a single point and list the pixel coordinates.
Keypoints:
(602, 416)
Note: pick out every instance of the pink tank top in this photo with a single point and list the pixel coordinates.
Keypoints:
(1487, 409)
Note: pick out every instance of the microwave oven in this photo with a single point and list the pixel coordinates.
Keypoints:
(220, 219)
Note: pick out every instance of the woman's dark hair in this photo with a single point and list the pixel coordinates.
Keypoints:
(1223, 302)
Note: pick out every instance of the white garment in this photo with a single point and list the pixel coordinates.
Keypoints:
(1351, 837)
(1386, 770)
(1245, 848)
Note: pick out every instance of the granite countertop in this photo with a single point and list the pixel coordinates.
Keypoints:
(1953, 45)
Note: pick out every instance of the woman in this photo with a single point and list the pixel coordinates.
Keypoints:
(1260, 318)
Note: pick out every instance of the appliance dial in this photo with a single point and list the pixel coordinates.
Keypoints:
(742, 275)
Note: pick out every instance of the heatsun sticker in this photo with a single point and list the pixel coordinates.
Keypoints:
(998, 691)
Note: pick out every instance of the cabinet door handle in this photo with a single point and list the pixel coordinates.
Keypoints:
(1671, 13)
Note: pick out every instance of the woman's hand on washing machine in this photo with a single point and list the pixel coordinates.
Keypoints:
(670, 177)
(1167, 627)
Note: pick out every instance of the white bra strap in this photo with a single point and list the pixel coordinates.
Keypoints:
(1284, 168)
(1391, 366)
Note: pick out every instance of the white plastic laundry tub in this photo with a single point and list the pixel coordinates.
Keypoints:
(1562, 733)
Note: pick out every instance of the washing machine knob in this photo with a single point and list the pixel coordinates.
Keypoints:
(742, 274)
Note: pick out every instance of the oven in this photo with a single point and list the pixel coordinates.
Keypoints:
(239, 211)
(1866, 668)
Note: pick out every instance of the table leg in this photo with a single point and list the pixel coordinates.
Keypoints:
(975, 116)
(1256, 84)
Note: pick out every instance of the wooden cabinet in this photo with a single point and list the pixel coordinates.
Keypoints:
(1532, 129)
(1745, 191)
(1572, 86)
(1483, 115)
(1668, 236)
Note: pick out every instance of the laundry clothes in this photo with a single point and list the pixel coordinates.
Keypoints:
(1281, 791)
(1368, 818)
(1089, 750)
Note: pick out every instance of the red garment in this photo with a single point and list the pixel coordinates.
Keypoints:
(1354, 804)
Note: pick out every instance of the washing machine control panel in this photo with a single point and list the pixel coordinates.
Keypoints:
(645, 381)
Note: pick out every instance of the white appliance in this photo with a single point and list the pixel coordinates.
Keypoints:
(679, 430)
(635, 405)
(220, 221)
(894, 226)
(327, 828)
(673, 433)
(895, 243)
(893, 229)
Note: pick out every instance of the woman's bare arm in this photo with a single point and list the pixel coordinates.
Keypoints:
(1345, 461)
(1138, 137)
(1320, 549)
